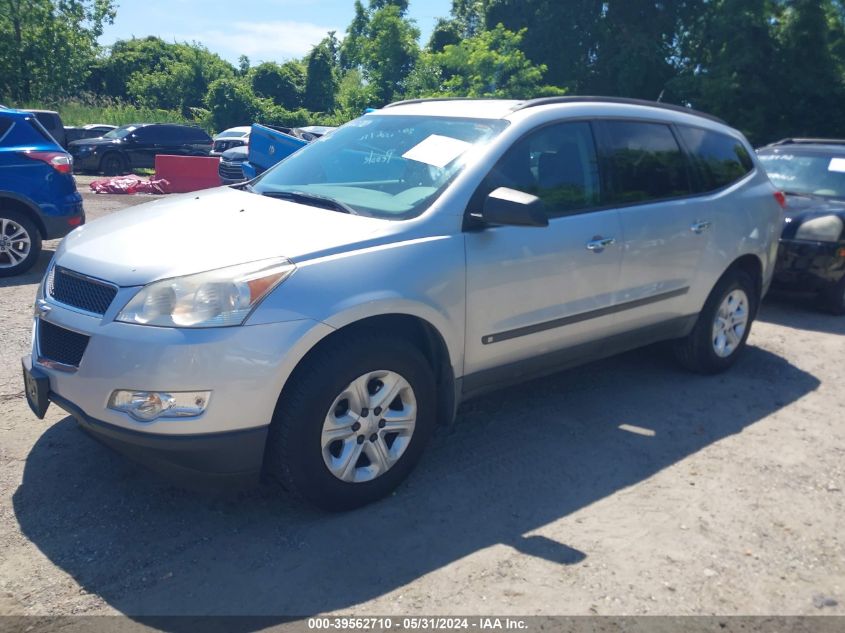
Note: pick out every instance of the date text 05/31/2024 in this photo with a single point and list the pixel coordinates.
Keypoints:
(417, 623)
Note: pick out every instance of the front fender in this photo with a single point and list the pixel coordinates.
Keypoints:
(423, 278)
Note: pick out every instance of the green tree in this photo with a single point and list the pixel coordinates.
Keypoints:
(158, 74)
(635, 48)
(445, 32)
(321, 76)
(48, 46)
(810, 70)
(729, 66)
(182, 81)
(490, 64)
(231, 102)
(284, 84)
(389, 51)
(563, 35)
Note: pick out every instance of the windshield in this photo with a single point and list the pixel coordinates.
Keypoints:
(811, 174)
(384, 166)
(121, 131)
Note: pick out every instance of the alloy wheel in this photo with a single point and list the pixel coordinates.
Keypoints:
(15, 243)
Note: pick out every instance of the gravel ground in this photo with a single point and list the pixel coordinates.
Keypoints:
(623, 487)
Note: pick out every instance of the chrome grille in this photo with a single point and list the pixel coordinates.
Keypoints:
(231, 171)
(60, 345)
(79, 291)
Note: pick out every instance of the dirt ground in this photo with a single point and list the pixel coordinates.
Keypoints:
(623, 487)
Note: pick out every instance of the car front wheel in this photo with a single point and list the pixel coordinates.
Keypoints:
(20, 243)
(112, 165)
(722, 328)
(352, 421)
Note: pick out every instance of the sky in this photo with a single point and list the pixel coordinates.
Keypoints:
(263, 30)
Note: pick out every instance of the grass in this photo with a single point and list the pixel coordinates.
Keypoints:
(80, 112)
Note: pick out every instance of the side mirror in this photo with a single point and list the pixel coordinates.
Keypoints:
(510, 207)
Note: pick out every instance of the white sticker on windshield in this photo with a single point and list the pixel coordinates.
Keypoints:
(437, 151)
(837, 164)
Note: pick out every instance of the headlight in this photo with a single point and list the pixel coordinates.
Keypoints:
(827, 228)
(216, 298)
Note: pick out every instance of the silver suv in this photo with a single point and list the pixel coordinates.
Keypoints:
(315, 323)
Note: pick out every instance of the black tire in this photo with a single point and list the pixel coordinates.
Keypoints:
(294, 456)
(112, 164)
(7, 266)
(833, 299)
(696, 351)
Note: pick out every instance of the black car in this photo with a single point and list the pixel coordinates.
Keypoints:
(811, 256)
(136, 146)
(92, 130)
(231, 167)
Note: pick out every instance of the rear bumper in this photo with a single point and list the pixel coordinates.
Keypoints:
(810, 266)
(71, 216)
(231, 459)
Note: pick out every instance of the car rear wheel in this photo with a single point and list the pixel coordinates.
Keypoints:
(112, 165)
(722, 328)
(20, 243)
(352, 422)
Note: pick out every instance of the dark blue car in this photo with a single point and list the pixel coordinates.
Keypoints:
(38, 196)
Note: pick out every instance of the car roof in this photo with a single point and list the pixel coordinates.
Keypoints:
(245, 129)
(503, 108)
(16, 113)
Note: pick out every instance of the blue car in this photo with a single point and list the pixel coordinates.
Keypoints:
(38, 196)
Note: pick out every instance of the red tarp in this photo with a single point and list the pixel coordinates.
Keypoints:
(131, 184)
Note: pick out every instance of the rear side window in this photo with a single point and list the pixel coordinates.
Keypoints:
(719, 160)
(154, 134)
(39, 129)
(643, 162)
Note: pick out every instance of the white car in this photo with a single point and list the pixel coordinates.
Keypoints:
(227, 139)
(316, 323)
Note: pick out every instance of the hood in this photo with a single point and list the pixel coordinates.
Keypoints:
(85, 142)
(192, 233)
(236, 154)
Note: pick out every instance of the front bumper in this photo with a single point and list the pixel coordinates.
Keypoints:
(810, 266)
(244, 367)
(232, 459)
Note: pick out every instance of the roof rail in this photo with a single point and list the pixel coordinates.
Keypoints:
(531, 103)
(434, 99)
(808, 141)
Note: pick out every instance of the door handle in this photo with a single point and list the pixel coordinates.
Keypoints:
(599, 243)
(700, 226)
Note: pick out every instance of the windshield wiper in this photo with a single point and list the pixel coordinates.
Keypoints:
(313, 199)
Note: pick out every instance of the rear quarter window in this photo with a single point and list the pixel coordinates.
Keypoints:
(5, 126)
(719, 160)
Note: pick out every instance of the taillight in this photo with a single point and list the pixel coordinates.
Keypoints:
(781, 199)
(60, 161)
